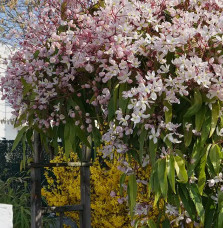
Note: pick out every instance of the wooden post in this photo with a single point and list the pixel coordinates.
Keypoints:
(36, 216)
(85, 215)
(61, 219)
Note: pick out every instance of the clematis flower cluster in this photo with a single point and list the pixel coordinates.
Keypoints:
(137, 43)
(135, 65)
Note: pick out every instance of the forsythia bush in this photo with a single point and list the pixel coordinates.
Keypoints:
(109, 208)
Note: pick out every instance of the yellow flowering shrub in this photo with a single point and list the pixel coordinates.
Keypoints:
(109, 209)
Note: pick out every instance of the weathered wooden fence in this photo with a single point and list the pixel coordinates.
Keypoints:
(36, 207)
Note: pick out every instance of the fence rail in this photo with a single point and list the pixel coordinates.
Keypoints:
(68, 164)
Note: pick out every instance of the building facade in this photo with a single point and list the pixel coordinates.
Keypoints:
(6, 127)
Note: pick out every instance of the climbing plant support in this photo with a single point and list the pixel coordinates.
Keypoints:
(36, 208)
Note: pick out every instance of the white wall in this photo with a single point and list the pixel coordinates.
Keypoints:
(6, 129)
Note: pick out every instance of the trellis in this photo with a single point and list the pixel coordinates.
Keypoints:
(37, 210)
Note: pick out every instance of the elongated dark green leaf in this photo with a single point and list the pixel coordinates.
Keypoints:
(168, 113)
(73, 132)
(122, 180)
(151, 223)
(67, 142)
(29, 134)
(115, 96)
(187, 127)
(68, 147)
(24, 152)
(196, 104)
(187, 202)
(73, 138)
(214, 117)
(142, 139)
(195, 196)
(195, 157)
(171, 172)
(152, 151)
(220, 200)
(209, 213)
(162, 177)
(26, 87)
(188, 137)
(122, 101)
(79, 102)
(112, 105)
(111, 109)
(220, 219)
(35, 55)
(215, 157)
(199, 118)
(180, 169)
(201, 170)
(157, 197)
(205, 129)
(82, 136)
(19, 137)
(136, 223)
(96, 137)
(132, 192)
(166, 224)
(67, 130)
(220, 209)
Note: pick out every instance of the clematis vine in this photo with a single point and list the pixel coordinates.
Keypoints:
(147, 75)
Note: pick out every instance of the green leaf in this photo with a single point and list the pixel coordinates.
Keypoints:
(195, 157)
(180, 169)
(166, 224)
(199, 118)
(151, 223)
(36, 54)
(209, 213)
(188, 136)
(96, 136)
(111, 109)
(132, 192)
(79, 102)
(26, 87)
(201, 170)
(187, 202)
(168, 113)
(122, 180)
(82, 136)
(220, 200)
(115, 95)
(156, 199)
(142, 138)
(215, 157)
(196, 105)
(220, 209)
(153, 184)
(19, 137)
(171, 172)
(68, 145)
(205, 129)
(162, 177)
(220, 218)
(112, 105)
(24, 152)
(122, 101)
(214, 117)
(29, 134)
(152, 151)
(196, 198)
